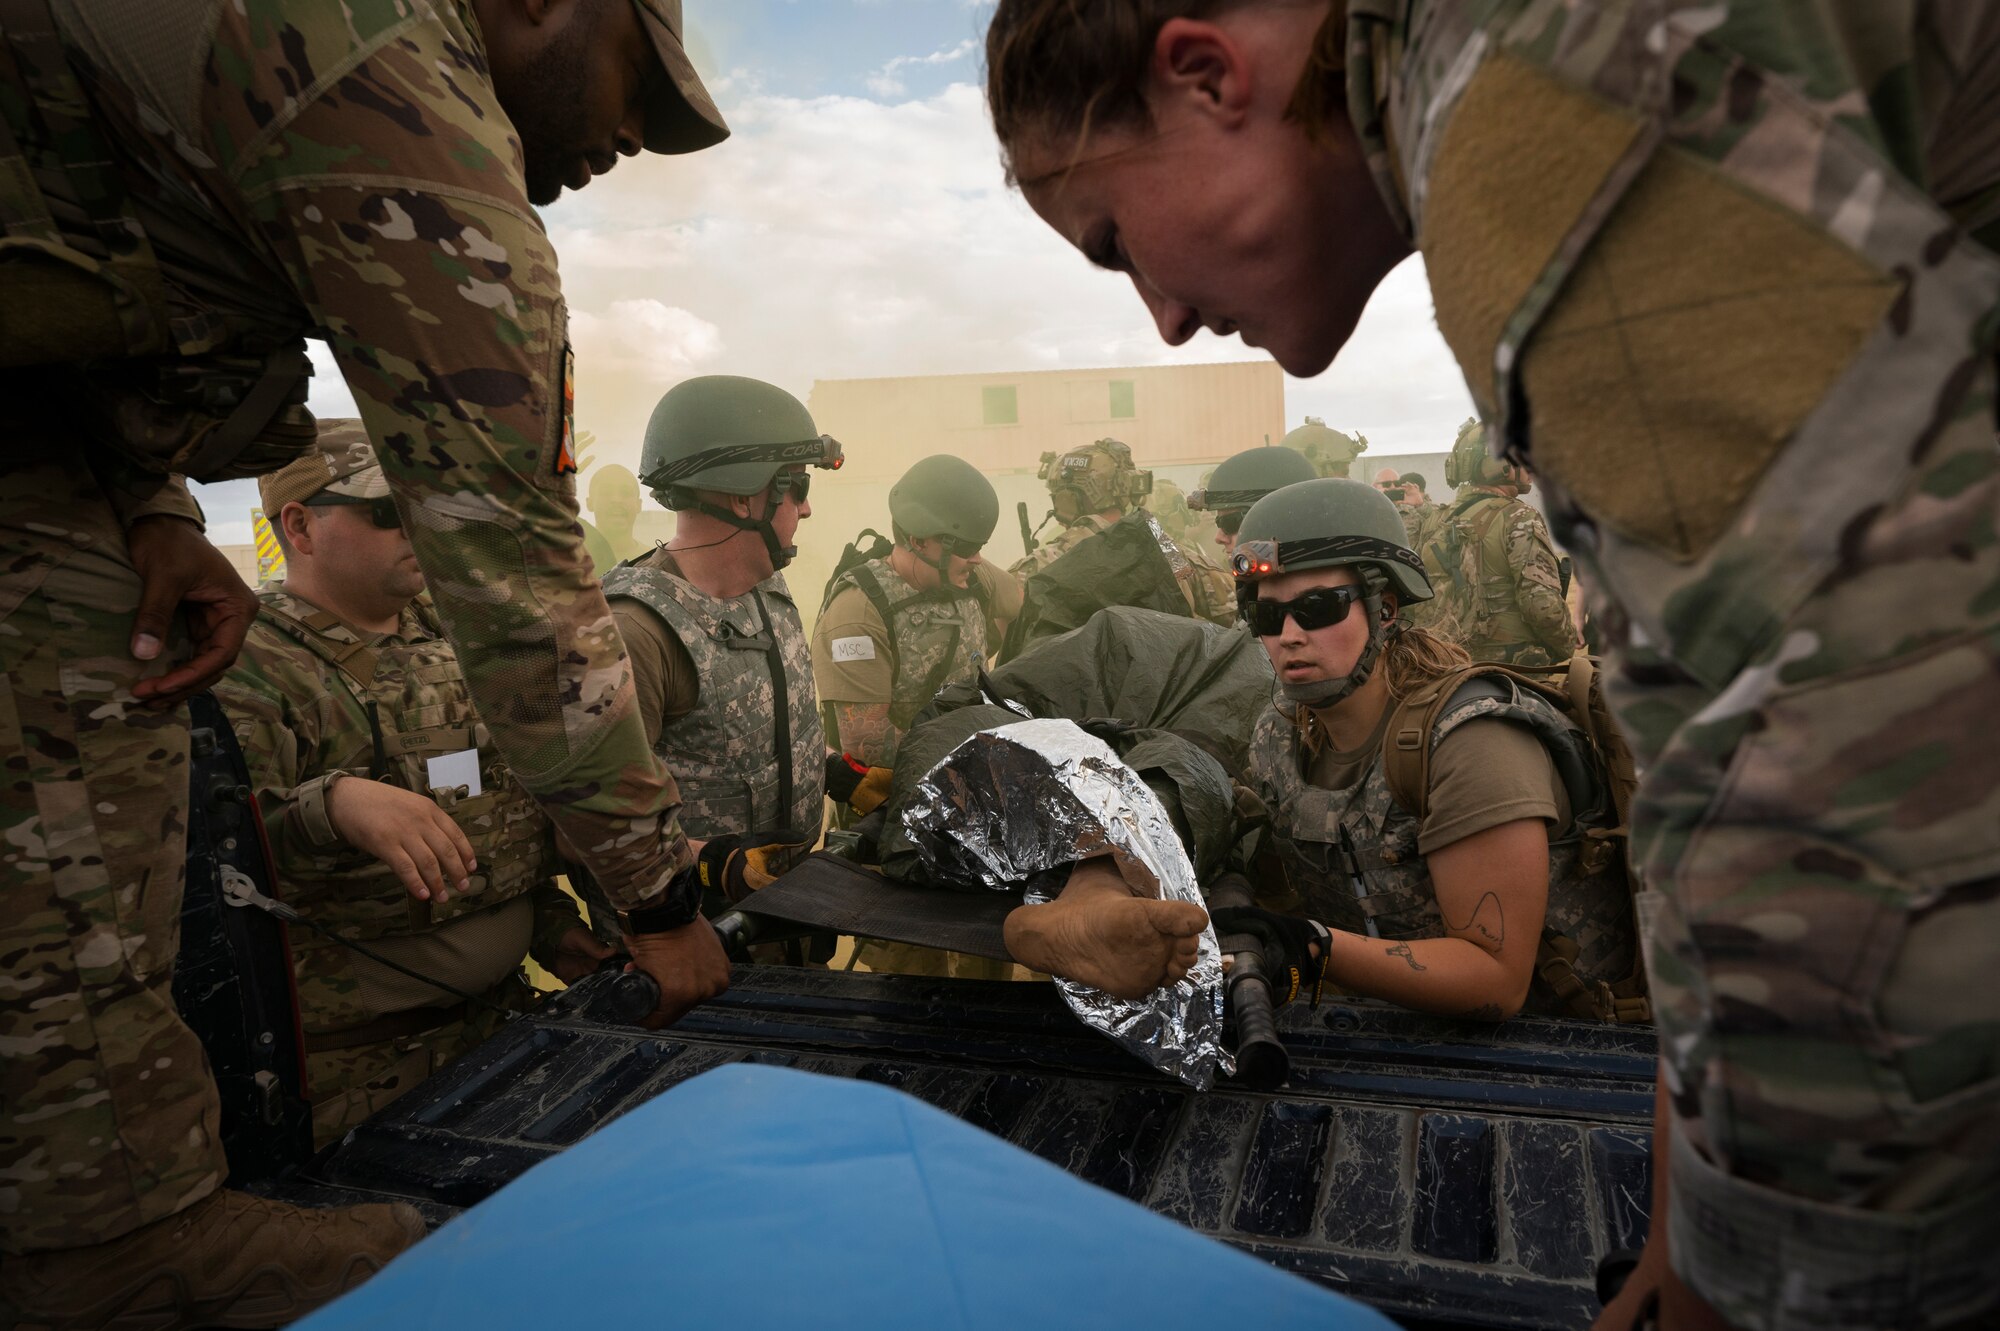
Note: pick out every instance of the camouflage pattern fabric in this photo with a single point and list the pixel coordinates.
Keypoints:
(937, 639)
(347, 171)
(1423, 523)
(108, 1116)
(351, 1084)
(926, 629)
(313, 702)
(724, 749)
(1168, 502)
(1503, 586)
(1590, 910)
(1793, 556)
(1209, 590)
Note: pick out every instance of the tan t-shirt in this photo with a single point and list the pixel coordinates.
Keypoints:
(854, 660)
(1485, 773)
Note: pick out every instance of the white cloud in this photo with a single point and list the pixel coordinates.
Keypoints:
(839, 237)
(644, 337)
(887, 81)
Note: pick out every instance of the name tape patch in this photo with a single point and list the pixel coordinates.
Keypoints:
(854, 649)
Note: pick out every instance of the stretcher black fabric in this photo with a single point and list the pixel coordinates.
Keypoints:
(828, 892)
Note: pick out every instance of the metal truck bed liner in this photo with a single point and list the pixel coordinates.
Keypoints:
(1449, 1173)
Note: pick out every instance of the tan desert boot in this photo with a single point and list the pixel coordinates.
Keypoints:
(230, 1260)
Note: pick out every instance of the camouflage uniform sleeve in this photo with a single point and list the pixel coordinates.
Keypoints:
(280, 745)
(136, 494)
(393, 196)
(555, 915)
(1538, 580)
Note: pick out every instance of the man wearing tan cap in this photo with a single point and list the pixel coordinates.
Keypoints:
(198, 186)
(393, 821)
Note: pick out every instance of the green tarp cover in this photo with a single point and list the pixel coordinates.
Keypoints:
(1175, 697)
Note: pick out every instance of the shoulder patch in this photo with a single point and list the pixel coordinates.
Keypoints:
(854, 649)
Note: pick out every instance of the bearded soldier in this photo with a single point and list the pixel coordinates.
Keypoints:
(1095, 487)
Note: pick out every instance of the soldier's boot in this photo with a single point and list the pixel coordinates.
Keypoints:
(230, 1260)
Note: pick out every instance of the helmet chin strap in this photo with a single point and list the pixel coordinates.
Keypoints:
(1327, 692)
(781, 555)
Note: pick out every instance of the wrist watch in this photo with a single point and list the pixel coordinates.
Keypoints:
(675, 908)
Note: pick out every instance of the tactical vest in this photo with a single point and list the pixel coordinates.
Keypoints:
(938, 636)
(1396, 892)
(403, 703)
(1488, 599)
(196, 368)
(751, 756)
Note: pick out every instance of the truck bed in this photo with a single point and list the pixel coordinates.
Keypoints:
(1450, 1173)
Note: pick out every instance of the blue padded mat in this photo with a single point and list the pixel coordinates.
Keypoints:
(762, 1197)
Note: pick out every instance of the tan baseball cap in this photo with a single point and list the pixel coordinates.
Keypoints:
(682, 118)
(341, 462)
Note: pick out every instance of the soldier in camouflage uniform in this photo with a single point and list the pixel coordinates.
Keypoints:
(1169, 503)
(1465, 892)
(1242, 480)
(722, 664)
(892, 633)
(1331, 452)
(191, 187)
(344, 697)
(1728, 275)
(1502, 583)
(1096, 486)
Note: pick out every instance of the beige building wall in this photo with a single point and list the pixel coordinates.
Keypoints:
(1169, 414)
(244, 559)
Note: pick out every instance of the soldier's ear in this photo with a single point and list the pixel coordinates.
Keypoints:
(295, 524)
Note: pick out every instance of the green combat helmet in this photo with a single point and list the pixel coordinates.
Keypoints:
(1245, 478)
(946, 497)
(1472, 463)
(1094, 478)
(722, 434)
(1331, 452)
(1330, 522)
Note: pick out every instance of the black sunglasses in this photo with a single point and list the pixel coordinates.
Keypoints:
(382, 511)
(1316, 609)
(797, 484)
(1231, 522)
(960, 548)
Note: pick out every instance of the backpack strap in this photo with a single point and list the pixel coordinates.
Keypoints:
(1624, 1002)
(1406, 743)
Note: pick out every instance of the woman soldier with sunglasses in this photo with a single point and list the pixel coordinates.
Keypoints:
(1443, 912)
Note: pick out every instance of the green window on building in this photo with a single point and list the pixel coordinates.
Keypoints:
(999, 406)
(1123, 408)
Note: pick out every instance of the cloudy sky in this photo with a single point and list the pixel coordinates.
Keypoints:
(856, 225)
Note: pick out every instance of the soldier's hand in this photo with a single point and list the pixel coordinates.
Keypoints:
(180, 572)
(687, 963)
(577, 954)
(404, 830)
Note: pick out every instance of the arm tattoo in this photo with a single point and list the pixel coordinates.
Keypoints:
(1484, 1012)
(865, 732)
(1403, 950)
(1488, 921)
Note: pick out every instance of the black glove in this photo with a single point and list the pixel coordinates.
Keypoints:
(862, 789)
(843, 777)
(1284, 946)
